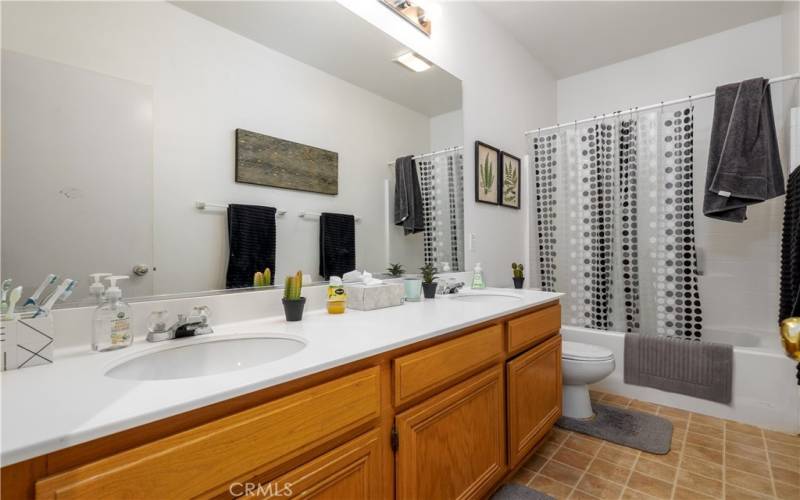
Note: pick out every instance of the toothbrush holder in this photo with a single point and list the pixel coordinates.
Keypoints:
(26, 341)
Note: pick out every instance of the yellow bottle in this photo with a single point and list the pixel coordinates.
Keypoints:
(337, 298)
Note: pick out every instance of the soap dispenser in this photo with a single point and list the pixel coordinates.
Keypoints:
(477, 277)
(97, 289)
(113, 324)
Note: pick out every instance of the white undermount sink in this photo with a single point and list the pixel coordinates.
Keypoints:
(486, 297)
(207, 357)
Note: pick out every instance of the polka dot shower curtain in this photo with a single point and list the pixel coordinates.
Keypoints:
(441, 179)
(615, 223)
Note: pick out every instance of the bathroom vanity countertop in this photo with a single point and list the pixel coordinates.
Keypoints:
(50, 407)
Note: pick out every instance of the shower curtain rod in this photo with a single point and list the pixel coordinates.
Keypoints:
(441, 151)
(780, 79)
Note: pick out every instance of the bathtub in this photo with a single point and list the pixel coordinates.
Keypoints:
(765, 390)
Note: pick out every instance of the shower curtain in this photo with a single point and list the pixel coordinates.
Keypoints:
(441, 178)
(615, 222)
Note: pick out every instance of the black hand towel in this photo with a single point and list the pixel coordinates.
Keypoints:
(251, 238)
(407, 196)
(337, 244)
(790, 250)
(744, 166)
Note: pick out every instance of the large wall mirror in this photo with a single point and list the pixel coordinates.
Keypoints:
(120, 150)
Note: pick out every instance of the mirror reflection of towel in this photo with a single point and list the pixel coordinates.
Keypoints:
(337, 244)
(407, 196)
(251, 239)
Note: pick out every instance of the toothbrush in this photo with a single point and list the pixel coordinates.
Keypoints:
(13, 298)
(4, 288)
(34, 299)
(65, 288)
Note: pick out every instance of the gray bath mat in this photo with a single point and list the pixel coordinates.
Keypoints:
(629, 428)
(514, 491)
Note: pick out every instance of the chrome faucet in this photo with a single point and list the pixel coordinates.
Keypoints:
(450, 286)
(196, 323)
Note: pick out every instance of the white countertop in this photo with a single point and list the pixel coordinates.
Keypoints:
(50, 407)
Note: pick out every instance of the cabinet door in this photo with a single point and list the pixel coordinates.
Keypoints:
(534, 397)
(453, 445)
(351, 471)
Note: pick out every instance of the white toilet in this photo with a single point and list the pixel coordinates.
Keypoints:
(581, 365)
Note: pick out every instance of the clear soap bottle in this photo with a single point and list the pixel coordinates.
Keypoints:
(113, 323)
(478, 282)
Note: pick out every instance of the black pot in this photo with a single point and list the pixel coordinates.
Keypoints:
(518, 282)
(294, 309)
(429, 290)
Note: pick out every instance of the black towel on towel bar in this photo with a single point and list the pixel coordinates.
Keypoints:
(337, 244)
(251, 239)
(790, 249)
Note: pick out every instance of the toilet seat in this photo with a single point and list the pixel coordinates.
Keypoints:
(578, 351)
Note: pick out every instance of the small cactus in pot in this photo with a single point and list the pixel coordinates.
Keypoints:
(262, 279)
(293, 302)
(518, 271)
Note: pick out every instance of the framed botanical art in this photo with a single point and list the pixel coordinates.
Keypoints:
(510, 182)
(487, 159)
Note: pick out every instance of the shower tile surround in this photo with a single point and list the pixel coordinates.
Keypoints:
(710, 458)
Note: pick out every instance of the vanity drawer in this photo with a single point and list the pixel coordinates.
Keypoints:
(534, 327)
(213, 455)
(430, 369)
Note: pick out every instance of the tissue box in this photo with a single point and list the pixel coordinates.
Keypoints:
(26, 342)
(367, 298)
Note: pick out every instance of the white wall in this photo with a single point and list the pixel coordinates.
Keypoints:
(790, 29)
(207, 82)
(447, 130)
(740, 288)
(505, 92)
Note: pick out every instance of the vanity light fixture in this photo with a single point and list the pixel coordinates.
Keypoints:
(414, 62)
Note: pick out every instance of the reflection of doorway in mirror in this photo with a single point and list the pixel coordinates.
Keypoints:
(77, 179)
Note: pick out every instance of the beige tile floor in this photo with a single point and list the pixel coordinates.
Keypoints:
(710, 458)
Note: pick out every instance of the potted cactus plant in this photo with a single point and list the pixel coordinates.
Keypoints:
(293, 303)
(428, 283)
(262, 279)
(519, 274)
(396, 270)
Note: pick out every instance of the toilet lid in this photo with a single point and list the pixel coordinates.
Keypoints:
(585, 352)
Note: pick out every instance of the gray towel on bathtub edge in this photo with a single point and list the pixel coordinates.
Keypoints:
(684, 366)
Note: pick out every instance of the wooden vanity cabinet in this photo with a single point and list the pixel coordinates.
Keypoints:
(534, 397)
(444, 418)
(453, 444)
(206, 460)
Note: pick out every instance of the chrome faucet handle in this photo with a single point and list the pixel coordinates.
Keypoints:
(451, 286)
(201, 315)
(157, 329)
